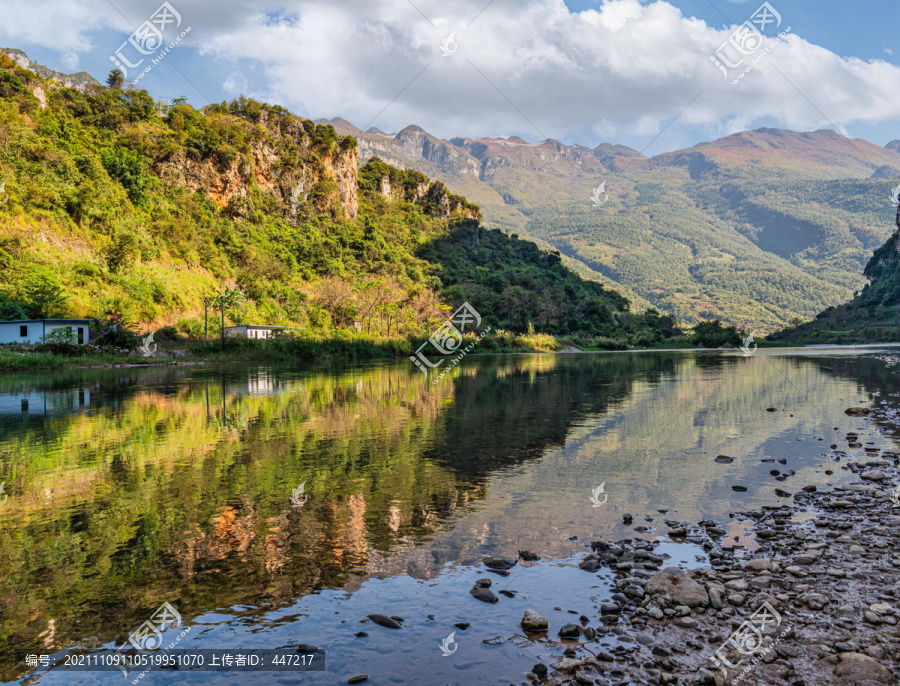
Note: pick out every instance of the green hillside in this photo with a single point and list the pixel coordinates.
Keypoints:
(757, 229)
(111, 210)
(872, 316)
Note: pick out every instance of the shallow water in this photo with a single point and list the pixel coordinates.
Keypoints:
(128, 488)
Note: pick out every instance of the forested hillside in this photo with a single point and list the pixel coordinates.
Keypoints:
(112, 208)
(872, 316)
(756, 229)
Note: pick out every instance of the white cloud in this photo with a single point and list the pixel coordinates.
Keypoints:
(627, 67)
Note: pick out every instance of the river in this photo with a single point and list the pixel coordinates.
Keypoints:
(273, 506)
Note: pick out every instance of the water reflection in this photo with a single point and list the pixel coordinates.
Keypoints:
(174, 484)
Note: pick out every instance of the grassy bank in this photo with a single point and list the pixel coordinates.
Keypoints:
(340, 346)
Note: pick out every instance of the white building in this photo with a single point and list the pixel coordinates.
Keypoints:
(33, 330)
(255, 330)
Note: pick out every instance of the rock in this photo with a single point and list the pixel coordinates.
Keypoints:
(715, 598)
(656, 613)
(534, 622)
(569, 631)
(685, 622)
(540, 669)
(358, 679)
(795, 570)
(385, 621)
(589, 565)
(856, 668)
(760, 564)
(679, 586)
(485, 595)
(805, 559)
(739, 489)
(495, 641)
(627, 519)
(610, 608)
(724, 459)
(771, 409)
(876, 475)
(501, 563)
(815, 601)
(738, 585)
(857, 411)
(872, 617)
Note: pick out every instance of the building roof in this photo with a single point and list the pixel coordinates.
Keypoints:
(33, 321)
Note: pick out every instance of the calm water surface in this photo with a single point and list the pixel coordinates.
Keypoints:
(132, 487)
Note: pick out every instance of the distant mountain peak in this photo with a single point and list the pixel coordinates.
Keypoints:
(79, 81)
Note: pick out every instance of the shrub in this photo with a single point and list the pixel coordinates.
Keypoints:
(192, 328)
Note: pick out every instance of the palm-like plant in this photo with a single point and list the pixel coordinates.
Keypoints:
(227, 298)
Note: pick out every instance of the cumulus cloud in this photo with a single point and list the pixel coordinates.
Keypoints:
(533, 66)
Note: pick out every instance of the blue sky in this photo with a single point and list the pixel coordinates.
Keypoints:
(624, 71)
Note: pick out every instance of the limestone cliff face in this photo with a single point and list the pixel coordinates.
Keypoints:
(326, 175)
(433, 197)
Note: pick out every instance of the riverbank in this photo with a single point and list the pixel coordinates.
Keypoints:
(339, 347)
(815, 603)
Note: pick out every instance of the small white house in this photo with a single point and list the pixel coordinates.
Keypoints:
(255, 330)
(33, 330)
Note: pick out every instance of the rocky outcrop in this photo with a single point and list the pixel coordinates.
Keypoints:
(227, 182)
(433, 197)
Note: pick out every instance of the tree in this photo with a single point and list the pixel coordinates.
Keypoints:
(115, 79)
(44, 294)
(227, 298)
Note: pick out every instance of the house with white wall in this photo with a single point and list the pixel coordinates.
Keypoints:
(257, 331)
(34, 330)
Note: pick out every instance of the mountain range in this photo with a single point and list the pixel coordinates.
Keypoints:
(757, 229)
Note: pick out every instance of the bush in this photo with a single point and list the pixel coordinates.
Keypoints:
(714, 335)
(167, 334)
(128, 168)
(192, 328)
(62, 348)
(113, 333)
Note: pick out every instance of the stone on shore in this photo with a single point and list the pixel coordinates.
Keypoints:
(679, 586)
(856, 668)
(534, 622)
